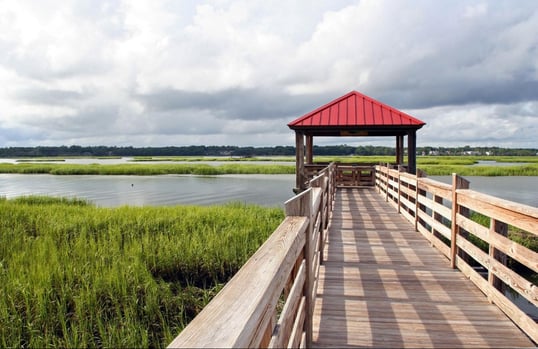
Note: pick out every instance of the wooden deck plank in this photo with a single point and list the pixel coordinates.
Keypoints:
(383, 285)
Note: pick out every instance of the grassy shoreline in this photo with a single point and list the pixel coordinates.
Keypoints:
(145, 169)
(432, 165)
(76, 275)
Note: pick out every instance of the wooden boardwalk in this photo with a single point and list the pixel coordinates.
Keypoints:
(383, 285)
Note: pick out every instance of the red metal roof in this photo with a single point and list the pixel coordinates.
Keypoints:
(355, 109)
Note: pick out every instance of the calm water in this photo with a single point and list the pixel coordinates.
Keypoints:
(495, 163)
(130, 160)
(522, 189)
(267, 190)
(109, 191)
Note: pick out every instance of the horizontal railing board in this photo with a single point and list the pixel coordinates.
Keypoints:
(408, 178)
(435, 206)
(518, 215)
(407, 191)
(437, 188)
(289, 311)
(519, 252)
(472, 227)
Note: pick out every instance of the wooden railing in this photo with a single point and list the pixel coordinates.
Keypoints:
(269, 302)
(355, 175)
(442, 214)
(347, 175)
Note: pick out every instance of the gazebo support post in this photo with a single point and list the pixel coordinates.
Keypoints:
(309, 149)
(399, 149)
(412, 152)
(299, 162)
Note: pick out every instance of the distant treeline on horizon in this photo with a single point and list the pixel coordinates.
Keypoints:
(203, 150)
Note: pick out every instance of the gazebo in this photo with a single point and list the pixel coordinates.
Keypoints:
(354, 114)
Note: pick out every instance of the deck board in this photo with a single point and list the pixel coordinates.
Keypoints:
(383, 285)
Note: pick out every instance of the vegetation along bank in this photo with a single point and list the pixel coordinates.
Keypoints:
(432, 165)
(75, 275)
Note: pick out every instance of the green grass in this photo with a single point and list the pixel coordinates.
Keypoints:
(446, 165)
(75, 275)
(443, 170)
(433, 165)
(145, 169)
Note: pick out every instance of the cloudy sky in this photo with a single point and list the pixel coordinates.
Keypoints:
(235, 72)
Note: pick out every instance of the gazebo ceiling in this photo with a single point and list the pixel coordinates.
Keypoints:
(355, 114)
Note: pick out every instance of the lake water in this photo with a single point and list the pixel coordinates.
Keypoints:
(129, 160)
(267, 190)
(522, 189)
(110, 191)
(495, 163)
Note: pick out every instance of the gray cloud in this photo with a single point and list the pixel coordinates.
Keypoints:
(49, 97)
(235, 103)
(236, 72)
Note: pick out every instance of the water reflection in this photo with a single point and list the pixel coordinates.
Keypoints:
(131, 160)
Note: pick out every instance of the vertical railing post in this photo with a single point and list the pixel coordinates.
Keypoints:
(417, 193)
(437, 217)
(501, 228)
(457, 183)
(323, 184)
(399, 191)
(387, 183)
(375, 180)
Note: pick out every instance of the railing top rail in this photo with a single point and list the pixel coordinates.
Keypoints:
(354, 166)
(434, 183)
(498, 202)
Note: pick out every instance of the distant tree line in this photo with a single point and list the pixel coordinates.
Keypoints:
(205, 150)
(468, 150)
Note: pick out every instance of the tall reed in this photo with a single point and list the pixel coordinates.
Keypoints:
(145, 169)
(75, 275)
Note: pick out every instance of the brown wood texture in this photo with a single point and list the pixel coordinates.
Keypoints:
(241, 312)
(383, 285)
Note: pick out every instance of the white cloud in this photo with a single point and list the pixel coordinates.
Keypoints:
(235, 72)
(514, 125)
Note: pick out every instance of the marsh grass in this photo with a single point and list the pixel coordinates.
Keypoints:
(75, 275)
(432, 165)
(145, 169)
(443, 170)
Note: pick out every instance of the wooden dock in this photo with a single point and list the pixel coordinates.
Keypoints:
(386, 266)
(383, 285)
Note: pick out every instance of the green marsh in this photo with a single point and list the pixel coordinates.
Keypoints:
(75, 275)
